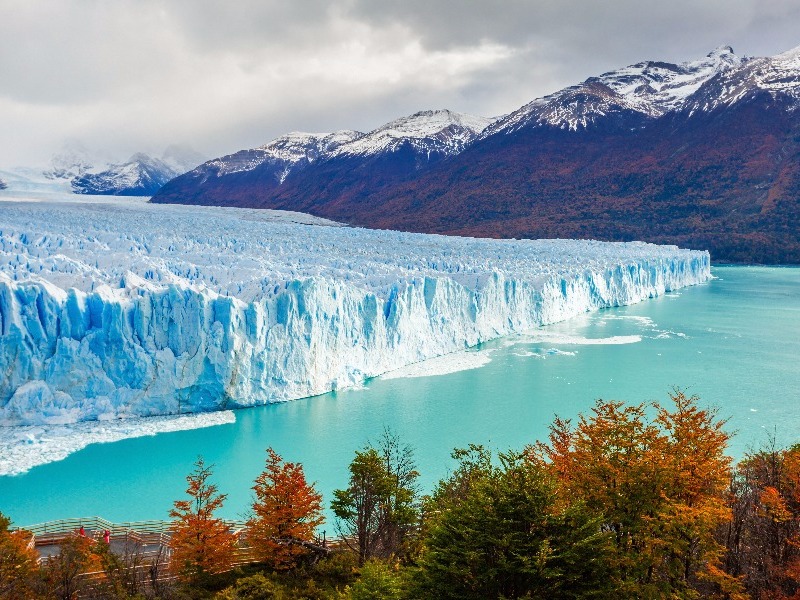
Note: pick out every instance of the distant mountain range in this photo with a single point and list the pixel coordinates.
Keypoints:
(140, 175)
(704, 154)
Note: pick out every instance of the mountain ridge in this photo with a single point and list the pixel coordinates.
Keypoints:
(703, 153)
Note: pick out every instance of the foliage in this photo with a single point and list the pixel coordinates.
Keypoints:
(339, 569)
(201, 543)
(17, 562)
(763, 539)
(378, 510)
(377, 582)
(254, 587)
(61, 574)
(286, 510)
(499, 532)
(658, 485)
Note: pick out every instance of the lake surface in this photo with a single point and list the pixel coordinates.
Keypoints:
(735, 342)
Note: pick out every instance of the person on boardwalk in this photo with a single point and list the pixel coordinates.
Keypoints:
(82, 532)
(107, 536)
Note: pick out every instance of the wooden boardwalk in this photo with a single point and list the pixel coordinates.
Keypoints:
(145, 543)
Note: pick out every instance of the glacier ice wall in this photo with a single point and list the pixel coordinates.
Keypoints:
(115, 310)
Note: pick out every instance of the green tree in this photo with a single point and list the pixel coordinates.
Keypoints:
(379, 508)
(377, 582)
(501, 533)
(360, 509)
(255, 587)
(402, 506)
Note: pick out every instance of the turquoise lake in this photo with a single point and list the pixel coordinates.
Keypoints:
(734, 341)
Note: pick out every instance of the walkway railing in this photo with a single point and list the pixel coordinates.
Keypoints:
(67, 526)
(152, 539)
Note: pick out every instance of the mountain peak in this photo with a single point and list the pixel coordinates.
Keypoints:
(720, 51)
(644, 90)
(442, 131)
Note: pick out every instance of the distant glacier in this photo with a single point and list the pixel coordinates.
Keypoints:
(114, 308)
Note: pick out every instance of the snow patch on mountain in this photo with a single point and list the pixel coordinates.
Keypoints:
(649, 89)
(140, 175)
(429, 133)
(779, 76)
(182, 159)
(283, 154)
(117, 309)
(441, 131)
(73, 160)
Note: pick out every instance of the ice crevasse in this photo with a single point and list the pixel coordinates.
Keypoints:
(151, 326)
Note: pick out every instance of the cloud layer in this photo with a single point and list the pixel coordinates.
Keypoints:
(219, 76)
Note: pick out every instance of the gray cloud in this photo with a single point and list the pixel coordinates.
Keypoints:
(140, 74)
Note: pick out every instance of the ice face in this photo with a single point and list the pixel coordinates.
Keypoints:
(113, 309)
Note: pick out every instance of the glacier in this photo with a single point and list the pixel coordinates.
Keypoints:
(114, 308)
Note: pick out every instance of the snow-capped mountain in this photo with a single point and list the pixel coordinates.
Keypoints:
(140, 175)
(394, 151)
(627, 97)
(73, 160)
(182, 159)
(704, 153)
(777, 76)
(441, 132)
(280, 156)
(3, 185)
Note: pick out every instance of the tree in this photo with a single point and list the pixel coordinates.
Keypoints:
(62, 573)
(360, 508)
(697, 477)
(658, 485)
(18, 561)
(201, 543)
(286, 512)
(402, 506)
(379, 508)
(377, 582)
(504, 535)
(763, 538)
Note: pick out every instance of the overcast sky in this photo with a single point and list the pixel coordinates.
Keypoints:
(128, 75)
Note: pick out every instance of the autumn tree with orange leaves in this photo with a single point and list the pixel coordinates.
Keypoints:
(286, 511)
(201, 543)
(18, 562)
(658, 484)
(763, 539)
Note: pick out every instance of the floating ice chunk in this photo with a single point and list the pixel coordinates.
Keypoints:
(443, 365)
(22, 448)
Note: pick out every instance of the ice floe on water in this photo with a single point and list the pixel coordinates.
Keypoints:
(544, 353)
(443, 365)
(25, 447)
(552, 337)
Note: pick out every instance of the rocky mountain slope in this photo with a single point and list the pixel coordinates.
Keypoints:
(326, 167)
(704, 153)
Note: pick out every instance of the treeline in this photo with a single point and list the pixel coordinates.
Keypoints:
(626, 502)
